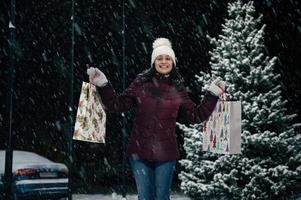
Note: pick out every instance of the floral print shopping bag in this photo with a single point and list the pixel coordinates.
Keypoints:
(90, 117)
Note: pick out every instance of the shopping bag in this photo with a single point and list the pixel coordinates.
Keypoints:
(222, 131)
(91, 117)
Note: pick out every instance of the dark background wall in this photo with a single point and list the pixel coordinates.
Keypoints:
(43, 62)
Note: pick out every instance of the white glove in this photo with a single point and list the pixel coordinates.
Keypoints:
(217, 87)
(96, 77)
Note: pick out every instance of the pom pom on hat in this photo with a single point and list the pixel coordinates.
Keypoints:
(161, 42)
(162, 46)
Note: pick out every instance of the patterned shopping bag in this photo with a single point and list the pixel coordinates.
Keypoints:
(222, 131)
(91, 117)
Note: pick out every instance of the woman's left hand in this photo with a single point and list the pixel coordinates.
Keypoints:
(217, 87)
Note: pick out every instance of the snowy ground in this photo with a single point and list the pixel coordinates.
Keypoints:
(118, 197)
(128, 197)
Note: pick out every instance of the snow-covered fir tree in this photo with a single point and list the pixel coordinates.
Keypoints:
(269, 166)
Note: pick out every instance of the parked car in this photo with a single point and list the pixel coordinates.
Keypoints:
(35, 177)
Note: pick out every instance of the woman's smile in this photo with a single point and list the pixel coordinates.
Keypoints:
(163, 64)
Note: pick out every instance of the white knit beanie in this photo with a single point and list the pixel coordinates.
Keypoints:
(162, 46)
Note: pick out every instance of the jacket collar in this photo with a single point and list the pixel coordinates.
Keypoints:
(163, 77)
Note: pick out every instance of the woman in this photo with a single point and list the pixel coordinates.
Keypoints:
(156, 96)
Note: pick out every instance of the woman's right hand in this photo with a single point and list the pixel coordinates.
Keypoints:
(97, 77)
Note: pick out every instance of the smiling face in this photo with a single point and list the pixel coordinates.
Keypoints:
(163, 64)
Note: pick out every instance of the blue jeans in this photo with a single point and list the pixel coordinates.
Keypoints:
(153, 179)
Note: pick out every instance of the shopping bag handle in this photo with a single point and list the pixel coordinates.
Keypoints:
(89, 90)
(224, 97)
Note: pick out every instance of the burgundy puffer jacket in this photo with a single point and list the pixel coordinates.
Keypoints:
(156, 103)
